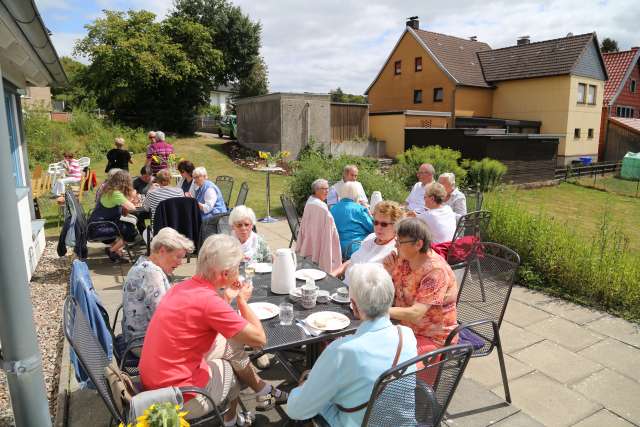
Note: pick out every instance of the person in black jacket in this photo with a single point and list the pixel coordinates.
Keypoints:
(117, 157)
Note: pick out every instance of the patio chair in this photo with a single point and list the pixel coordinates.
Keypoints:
(471, 228)
(482, 301)
(292, 217)
(242, 194)
(94, 361)
(474, 197)
(180, 213)
(225, 184)
(404, 395)
(213, 226)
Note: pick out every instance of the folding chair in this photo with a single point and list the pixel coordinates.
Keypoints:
(225, 184)
(292, 217)
(482, 301)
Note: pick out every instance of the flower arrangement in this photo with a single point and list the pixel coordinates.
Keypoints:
(272, 159)
(161, 415)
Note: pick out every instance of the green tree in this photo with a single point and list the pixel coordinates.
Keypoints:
(256, 82)
(609, 45)
(338, 95)
(75, 94)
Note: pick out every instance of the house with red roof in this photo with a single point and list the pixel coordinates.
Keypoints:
(621, 91)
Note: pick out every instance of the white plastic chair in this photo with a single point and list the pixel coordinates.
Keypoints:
(84, 162)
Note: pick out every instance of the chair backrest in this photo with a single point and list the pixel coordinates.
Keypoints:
(182, 214)
(225, 184)
(486, 286)
(224, 227)
(474, 199)
(418, 391)
(89, 352)
(84, 162)
(473, 224)
(292, 215)
(55, 168)
(242, 194)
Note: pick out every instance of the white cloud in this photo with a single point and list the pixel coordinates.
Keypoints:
(64, 42)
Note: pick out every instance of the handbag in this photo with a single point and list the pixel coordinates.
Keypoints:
(121, 386)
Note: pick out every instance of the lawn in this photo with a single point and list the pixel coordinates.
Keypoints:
(583, 209)
(612, 184)
(202, 151)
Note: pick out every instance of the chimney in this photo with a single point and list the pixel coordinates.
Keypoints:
(473, 38)
(413, 22)
(523, 40)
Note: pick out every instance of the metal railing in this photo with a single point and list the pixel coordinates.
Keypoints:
(589, 170)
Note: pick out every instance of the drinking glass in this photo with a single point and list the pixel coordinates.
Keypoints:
(250, 270)
(286, 313)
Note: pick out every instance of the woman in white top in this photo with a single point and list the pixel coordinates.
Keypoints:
(455, 198)
(440, 218)
(254, 247)
(377, 245)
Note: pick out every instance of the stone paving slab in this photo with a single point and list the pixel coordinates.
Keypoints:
(603, 418)
(519, 419)
(571, 312)
(557, 362)
(486, 370)
(548, 401)
(530, 297)
(617, 328)
(515, 338)
(616, 355)
(616, 392)
(474, 405)
(524, 315)
(565, 333)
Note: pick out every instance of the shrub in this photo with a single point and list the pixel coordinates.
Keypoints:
(485, 174)
(597, 270)
(442, 159)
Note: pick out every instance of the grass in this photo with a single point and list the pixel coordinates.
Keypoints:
(611, 184)
(202, 151)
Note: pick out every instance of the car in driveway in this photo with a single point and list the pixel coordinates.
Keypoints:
(228, 126)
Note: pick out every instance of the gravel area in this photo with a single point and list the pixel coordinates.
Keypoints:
(48, 290)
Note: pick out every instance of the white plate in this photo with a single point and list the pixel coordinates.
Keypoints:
(337, 299)
(264, 310)
(327, 321)
(262, 267)
(310, 273)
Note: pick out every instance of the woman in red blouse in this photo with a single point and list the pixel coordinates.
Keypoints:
(426, 288)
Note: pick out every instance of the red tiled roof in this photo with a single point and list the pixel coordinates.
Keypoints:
(617, 64)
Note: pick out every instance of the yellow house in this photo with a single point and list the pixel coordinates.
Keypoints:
(439, 81)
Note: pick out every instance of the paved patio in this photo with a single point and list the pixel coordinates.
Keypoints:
(567, 365)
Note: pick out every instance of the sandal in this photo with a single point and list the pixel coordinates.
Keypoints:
(268, 401)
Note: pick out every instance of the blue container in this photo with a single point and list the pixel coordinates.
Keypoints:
(586, 161)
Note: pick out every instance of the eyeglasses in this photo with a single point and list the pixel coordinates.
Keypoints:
(383, 224)
(242, 224)
(398, 242)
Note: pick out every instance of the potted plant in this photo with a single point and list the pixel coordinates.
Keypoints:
(273, 159)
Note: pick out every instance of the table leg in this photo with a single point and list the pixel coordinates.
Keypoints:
(268, 218)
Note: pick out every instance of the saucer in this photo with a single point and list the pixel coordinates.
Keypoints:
(339, 300)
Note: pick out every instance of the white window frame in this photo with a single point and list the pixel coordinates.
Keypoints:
(590, 100)
(582, 95)
(624, 111)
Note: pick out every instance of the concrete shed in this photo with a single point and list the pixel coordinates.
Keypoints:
(283, 121)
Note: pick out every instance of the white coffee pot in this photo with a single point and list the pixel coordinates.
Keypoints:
(283, 275)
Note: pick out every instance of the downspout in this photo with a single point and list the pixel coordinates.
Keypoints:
(453, 108)
(20, 358)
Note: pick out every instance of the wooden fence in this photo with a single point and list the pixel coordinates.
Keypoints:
(589, 170)
(349, 121)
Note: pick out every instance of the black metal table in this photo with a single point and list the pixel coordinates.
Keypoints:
(284, 337)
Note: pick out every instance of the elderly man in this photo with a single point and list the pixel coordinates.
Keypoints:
(415, 200)
(349, 174)
(455, 198)
(318, 236)
(160, 190)
(340, 384)
(195, 338)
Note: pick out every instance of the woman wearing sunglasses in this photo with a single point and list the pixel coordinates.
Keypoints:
(377, 245)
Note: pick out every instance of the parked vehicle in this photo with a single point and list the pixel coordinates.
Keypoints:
(228, 126)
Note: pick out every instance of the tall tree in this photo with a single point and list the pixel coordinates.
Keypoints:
(609, 45)
(256, 83)
(75, 94)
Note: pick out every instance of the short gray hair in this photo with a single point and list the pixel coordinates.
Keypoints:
(349, 190)
(159, 135)
(240, 213)
(414, 229)
(449, 177)
(348, 168)
(429, 168)
(315, 185)
(171, 240)
(436, 191)
(218, 253)
(371, 287)
(199, 171)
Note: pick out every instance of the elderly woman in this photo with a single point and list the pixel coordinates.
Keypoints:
(196, 338)
(117, 157)
(426, 288)
(158, 152)
(439, 218)
(185, 167)
(73, 173)
(380, 243)
(208, 195)
(254, 247)
(113, 203)
(353, 220)
(147, 281)
(455, 198)
(318, 236)
(339, 385)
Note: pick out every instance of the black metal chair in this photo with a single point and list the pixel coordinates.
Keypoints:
(482, 301)
(474, 198)
(242, 194)
(123, 350)
(180, 213)
(418, 391)
(225, 184)
(292, 217)
(94, 361)
(471, 228)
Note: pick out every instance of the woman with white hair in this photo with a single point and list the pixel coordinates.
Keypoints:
(440, 218)
(254, 247)
(196, 338)
(353, 220)
(147, 280)
(208, 195)
(340, 384)
(158, 152)
(455, 199)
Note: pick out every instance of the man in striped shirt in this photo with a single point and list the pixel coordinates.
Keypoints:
(159, 191)
(73, 174)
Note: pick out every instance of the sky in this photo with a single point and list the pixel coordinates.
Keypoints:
(317, 46)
